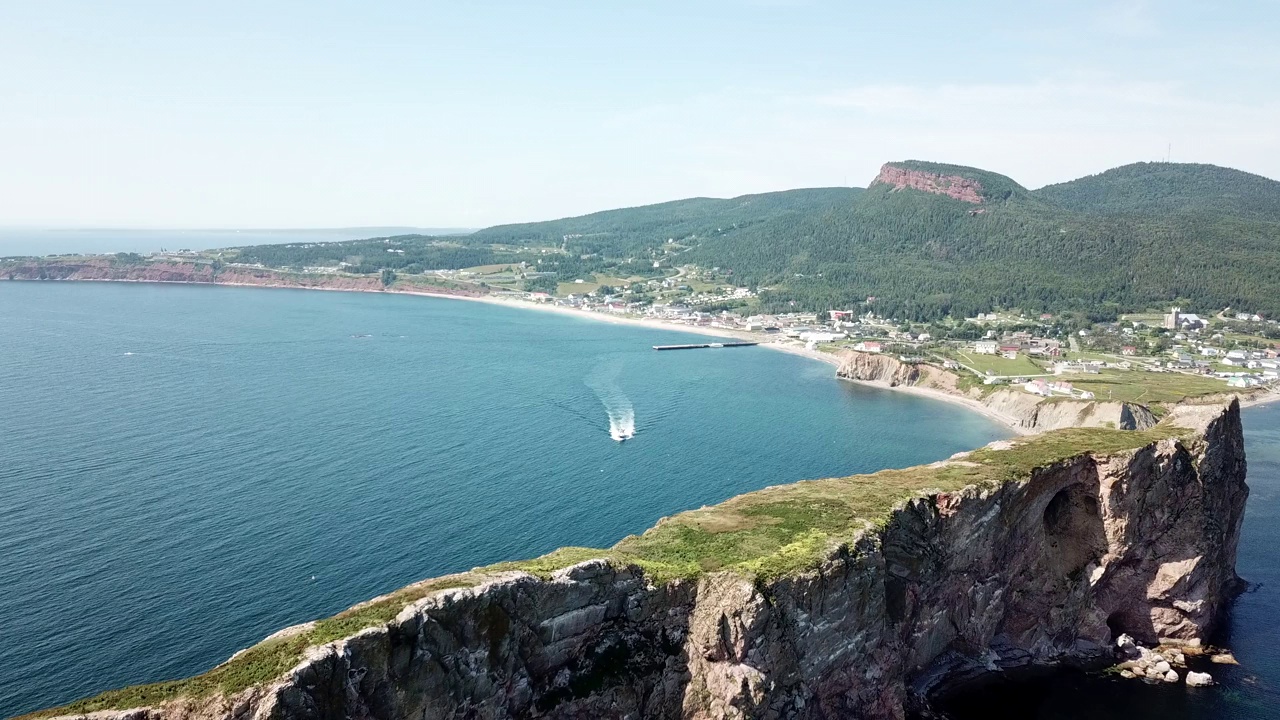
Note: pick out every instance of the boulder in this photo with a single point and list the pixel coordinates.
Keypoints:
(1199, 679)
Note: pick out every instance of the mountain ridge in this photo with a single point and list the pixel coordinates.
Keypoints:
(926, 240)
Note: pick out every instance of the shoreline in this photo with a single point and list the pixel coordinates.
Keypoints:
(929, 393)
(653, 324)
(778, 345)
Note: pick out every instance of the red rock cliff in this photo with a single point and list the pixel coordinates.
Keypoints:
(954, 186)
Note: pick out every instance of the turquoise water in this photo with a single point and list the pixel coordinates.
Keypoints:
(188, 469)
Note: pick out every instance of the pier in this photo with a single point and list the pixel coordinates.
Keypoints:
(704, 345)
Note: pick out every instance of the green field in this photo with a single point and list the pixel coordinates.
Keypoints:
(591, 284)
(571, 288)
(492, 269)
(1146, 387)
(701, 286)
(995, 364)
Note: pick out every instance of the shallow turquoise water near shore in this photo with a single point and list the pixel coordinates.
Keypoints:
(184, 470)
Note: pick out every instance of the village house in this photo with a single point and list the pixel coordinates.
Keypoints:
(986, 347)
(870, 346)
(1044, 347)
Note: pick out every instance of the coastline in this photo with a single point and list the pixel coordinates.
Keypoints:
(930, 393)
(780, 345)
(764, 342)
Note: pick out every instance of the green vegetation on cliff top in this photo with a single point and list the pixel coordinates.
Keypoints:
(764, 534)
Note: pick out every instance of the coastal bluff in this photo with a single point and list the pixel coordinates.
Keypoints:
(846, 597)
(1021, 410)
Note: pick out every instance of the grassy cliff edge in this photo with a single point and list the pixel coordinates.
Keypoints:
(761, 535)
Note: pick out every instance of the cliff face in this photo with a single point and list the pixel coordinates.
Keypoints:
(953, 186)
(1020, 409)
(1054, 554)
(1035, 413)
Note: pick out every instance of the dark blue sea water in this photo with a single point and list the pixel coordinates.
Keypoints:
(184, 470)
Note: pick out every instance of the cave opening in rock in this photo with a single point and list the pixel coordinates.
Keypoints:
(1074, 534)
(1132, 622)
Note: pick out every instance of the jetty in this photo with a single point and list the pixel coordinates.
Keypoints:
(704, 345)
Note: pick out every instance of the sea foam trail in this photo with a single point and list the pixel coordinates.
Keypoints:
(603, 381)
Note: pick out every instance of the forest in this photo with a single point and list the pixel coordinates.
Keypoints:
(1129, 239)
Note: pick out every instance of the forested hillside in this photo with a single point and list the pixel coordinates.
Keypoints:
(1167, 188)
(1169, 238)
(633, 230)
(925, 240)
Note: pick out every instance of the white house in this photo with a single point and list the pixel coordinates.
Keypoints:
(986, 347)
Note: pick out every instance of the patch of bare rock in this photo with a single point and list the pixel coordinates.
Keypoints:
(1161, 665)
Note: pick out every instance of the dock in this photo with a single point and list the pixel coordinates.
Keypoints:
(704, 345)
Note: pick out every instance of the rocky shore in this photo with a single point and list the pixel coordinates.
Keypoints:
(1021, 411)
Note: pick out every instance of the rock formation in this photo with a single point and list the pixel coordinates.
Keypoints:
(953, 186)
(1036, 551)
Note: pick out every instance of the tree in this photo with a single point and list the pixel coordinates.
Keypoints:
(388, 277)
(546, 284)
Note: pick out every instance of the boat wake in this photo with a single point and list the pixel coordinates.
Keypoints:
(622, 427)
(603, 381)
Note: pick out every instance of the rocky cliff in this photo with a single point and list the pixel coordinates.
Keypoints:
(1019, 409)
(849, 597)
(953, 186)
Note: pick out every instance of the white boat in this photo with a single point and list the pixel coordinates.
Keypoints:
(716, 345)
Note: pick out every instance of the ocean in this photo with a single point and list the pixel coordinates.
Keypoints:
(186, 469)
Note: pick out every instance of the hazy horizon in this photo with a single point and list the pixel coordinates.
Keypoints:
(294, 116)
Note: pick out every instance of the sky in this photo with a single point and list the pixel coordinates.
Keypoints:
(327, 113)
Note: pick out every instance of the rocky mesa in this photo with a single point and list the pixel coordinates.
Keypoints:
(953, 186)
(846, 597)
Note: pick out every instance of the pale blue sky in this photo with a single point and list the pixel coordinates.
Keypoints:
(309, 114)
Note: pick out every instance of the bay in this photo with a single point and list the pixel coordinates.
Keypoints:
(186, 469)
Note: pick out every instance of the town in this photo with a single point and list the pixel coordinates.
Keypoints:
(1150, 357)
